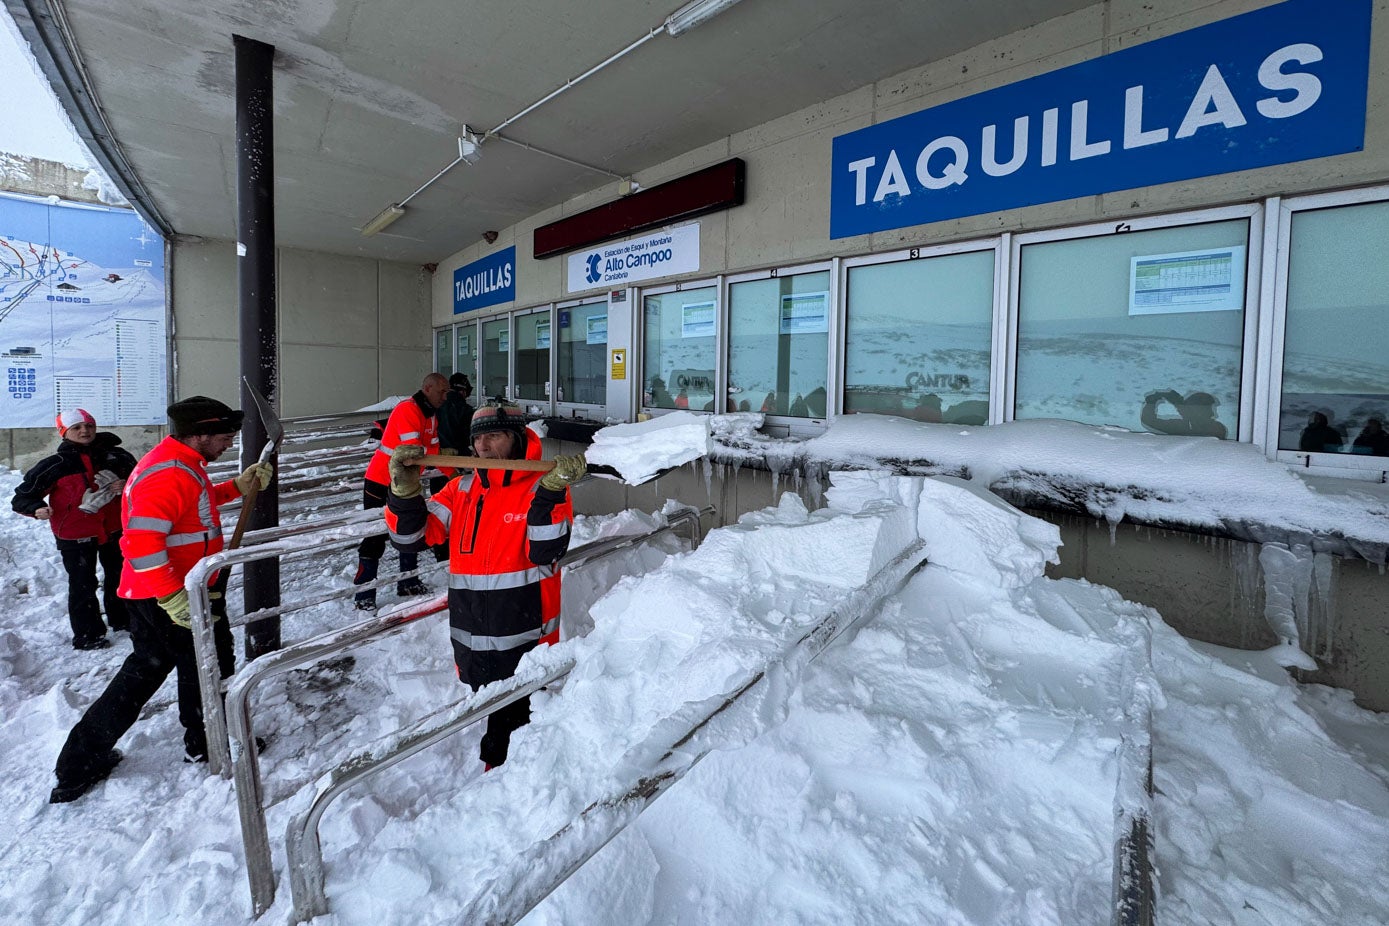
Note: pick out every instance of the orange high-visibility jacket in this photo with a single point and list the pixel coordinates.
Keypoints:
(505, 537)
(169, 512)
(412, 422)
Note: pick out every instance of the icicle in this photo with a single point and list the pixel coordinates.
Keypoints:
(1324, 603)
(1287, 576)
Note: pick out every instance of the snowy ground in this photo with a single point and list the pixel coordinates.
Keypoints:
(952, 761)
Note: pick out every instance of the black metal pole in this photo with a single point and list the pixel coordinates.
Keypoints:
(255, 235)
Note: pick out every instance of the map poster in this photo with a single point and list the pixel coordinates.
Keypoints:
(82, 316)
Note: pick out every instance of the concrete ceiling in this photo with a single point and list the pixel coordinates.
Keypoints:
(370, 96)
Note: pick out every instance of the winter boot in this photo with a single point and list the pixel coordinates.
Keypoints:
(96, 773)
(407, 588)
(365, 600)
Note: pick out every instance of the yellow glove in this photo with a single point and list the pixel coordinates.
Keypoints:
(260, 473)
(567, 469)
(405, 470)
(176, 606)
(448, 451)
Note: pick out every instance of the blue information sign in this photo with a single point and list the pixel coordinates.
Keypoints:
(489, 281)
(1282, 84)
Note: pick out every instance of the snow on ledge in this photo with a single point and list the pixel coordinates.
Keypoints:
(1189, 483)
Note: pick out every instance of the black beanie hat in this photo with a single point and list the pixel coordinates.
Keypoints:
(460, 381)
(198, 414)
(498, 418)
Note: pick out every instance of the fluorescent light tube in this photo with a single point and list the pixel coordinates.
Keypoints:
(694, 14)
(384, 218)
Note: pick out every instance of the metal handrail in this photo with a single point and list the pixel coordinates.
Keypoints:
(533, 876)
(237, 723)
(344, 531)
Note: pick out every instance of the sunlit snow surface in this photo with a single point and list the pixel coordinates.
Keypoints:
(953, 761)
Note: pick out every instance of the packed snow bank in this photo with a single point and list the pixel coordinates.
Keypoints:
(1197, 483)
(705, 638)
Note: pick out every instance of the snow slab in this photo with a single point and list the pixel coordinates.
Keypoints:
(642, 449)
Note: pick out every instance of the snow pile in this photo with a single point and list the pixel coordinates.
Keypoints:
(1114, 474)
(640, 450)
(956, 760)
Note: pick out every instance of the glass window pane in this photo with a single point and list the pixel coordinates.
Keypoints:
(583, 353)
(680, 349)
(465, 350)
(533, 356)
(918, 338)
(443, 351)
(496, 346)
(778, 345)
(1143, 330)
(1336, 346)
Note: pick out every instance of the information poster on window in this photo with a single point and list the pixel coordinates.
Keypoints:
(504, 342)
(81, 314)
(597, 332)
(697, 320)
(805, 313)
(464, 342)
(542, 335)
(1211, 280)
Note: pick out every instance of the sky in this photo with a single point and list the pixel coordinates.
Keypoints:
(958, 755)
(34, 124)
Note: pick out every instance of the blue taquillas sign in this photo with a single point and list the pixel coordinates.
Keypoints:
(489, 281)
(1285, 83)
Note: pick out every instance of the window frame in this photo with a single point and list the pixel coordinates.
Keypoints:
(996, 244)
(1254, 307)
(786, 425)
(574, 409)
(1274, 342)
(720, 340)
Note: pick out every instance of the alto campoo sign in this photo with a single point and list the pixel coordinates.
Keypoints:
(1282, 84)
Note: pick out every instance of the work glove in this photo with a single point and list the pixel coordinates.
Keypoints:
(405, 470)
(567, 469)
(448, 451)
(108, 487)
(257, 474)
(176, 606)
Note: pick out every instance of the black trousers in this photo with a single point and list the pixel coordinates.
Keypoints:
(374, 496)
(80, 558)
(496, 740)
(161, 647)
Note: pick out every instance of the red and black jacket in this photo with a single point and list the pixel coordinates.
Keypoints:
(59, 481)
(505, 535)
(413, 421)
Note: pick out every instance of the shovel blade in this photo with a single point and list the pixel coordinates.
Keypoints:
(274, 430)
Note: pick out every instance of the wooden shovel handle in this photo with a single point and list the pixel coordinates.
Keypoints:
(533, 466)
(247, 503)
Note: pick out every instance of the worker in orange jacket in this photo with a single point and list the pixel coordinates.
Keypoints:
(505, 533)
(170, 520)
(414, 422)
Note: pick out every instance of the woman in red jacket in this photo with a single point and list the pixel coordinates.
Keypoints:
(77, 491)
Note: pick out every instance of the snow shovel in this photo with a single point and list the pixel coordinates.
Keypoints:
(275, 432)
(530, 466)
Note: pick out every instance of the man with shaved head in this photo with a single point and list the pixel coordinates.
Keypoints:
(414, 421)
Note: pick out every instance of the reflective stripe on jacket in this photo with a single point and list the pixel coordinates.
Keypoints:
(412, 422)
(169, 513)
(505, 536)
